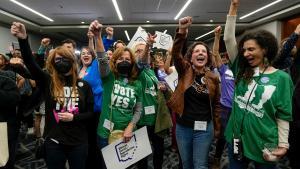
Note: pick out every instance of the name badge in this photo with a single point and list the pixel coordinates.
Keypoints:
(200, 125)
(107, 124)
(149, 110)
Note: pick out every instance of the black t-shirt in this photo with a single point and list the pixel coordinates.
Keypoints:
(196, 104)
(82, 102)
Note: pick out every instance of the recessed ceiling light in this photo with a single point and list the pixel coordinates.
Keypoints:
(32, 10)
(147, 21)
(211, 20)
(83, 22)
(126, 33)
(260, 9)
(182, 9)
(117, 10)
(204, 35)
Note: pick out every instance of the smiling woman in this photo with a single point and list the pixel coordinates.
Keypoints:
(196, 100)
(259, 116)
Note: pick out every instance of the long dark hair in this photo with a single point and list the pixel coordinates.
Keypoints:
(266, 41)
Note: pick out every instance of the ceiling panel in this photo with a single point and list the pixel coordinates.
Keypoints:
(68, 14)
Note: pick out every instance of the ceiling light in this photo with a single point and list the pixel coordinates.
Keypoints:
(117, 10)
(182, 9)
(211, 20)
(31, 10)
(147, 21)
(83, 22)
(126, 33)
(260, 9)
(204, 34)
(165, 31)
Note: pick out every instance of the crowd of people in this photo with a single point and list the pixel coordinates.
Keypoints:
(244, 98)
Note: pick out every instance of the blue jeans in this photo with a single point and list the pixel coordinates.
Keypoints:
(194, 146)
(236, 164)
(58, 154)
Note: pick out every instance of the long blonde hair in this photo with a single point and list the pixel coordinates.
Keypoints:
(57, 80)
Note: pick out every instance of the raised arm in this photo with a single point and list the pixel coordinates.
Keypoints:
(19, 31)
(90, 36)
(145, 59)
(216, 54)
(229, 32)
(108, 40)
(180, 37)
(96, 28)
(168, 62)
(283, 60)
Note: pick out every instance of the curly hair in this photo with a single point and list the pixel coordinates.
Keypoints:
(113, 67)
(191, 48)
(57, 80)
(266, 41)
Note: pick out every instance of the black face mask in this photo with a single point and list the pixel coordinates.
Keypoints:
(124, 67)
(63, 66)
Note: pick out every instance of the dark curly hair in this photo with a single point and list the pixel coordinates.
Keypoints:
(266, 41)
(190, 50)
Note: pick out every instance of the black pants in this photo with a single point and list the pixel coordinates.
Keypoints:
(158, 150)
(94, 155)
(294, 149)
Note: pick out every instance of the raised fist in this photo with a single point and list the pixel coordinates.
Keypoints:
(151, 38)
(45, 41)
(90, 34)
(18, 30)
(110, 31)
(185, 22)
(218, 31)
(95, 28)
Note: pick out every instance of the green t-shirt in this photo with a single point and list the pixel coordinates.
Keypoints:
(271, 98)
(149, 88)
(123, 96)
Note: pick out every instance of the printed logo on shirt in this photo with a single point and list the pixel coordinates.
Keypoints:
(71, 100)
(151, 90)
(229, 75)
(122, 95)
(256, 102)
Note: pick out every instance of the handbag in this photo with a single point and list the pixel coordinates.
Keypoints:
(40, 148)
(3, 144)
(115, 135)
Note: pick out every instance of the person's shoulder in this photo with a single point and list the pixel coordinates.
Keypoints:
(8, 74)
(82, 83)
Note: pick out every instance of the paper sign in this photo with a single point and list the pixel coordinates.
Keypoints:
(172, 80)
(139, 36)
(163, 41)
(120, 155)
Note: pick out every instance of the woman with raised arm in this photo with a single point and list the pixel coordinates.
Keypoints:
(90, 72)
(196, 100)
(122, 101)
(258, 127)
(68, 104)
